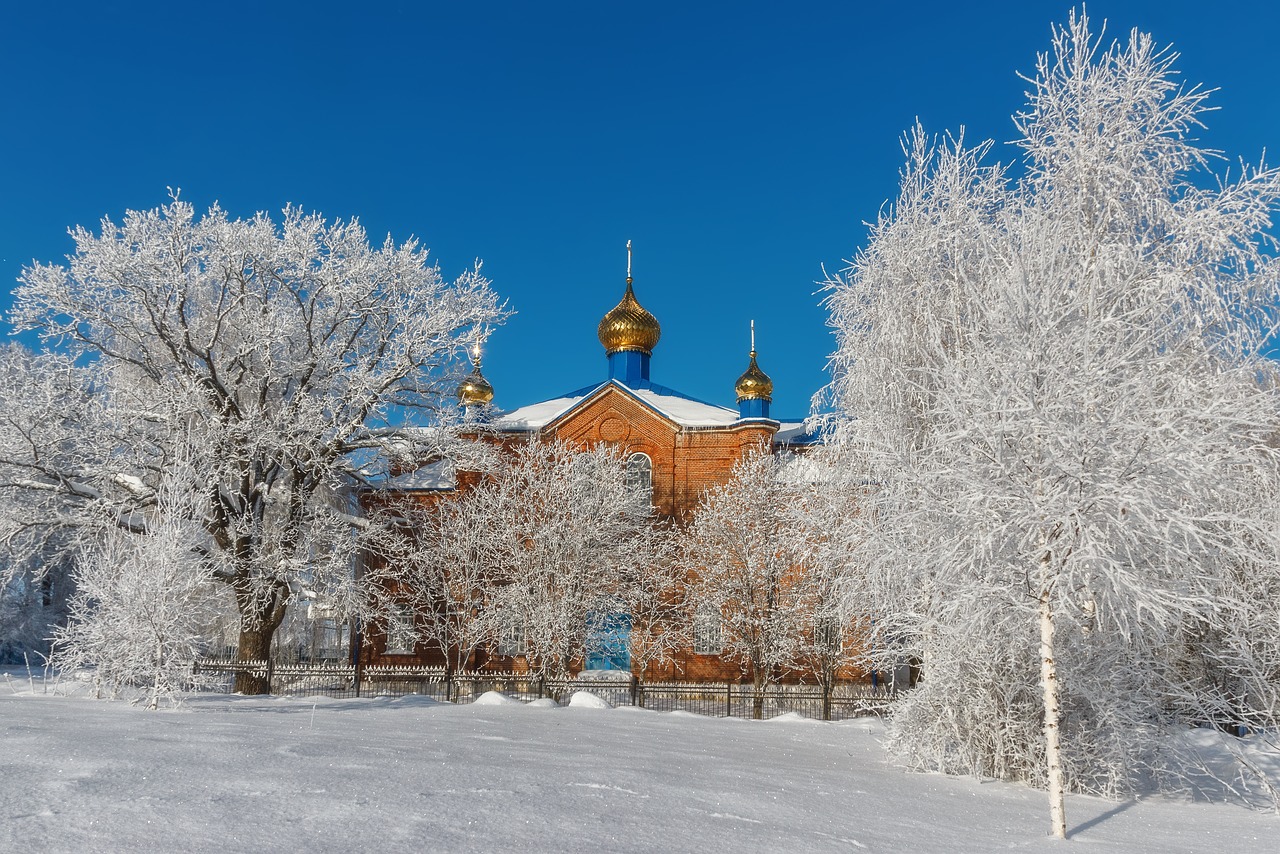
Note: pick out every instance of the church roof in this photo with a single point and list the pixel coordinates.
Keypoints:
(669, 403)
(793, 433)
(629, 333)
(679, 408)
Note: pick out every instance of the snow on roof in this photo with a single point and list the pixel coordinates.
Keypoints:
(682, 409)
(794, 433)
(441, 474)
(536, 415)
(685, 411)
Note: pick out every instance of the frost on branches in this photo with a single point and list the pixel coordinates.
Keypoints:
(1056, 384)
(746, 555)
(276, 351)
(43, 402)
(140, 614)
(554, 539)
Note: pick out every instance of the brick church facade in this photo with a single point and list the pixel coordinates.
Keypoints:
(685, 446)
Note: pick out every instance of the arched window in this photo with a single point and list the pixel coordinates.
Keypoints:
(640, 474)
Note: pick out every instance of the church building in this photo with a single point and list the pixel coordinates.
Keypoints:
(676, 447)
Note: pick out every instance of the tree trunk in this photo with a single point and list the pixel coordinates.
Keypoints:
(153, 702)
(1052, 715)
(255, 646)
(261, 613)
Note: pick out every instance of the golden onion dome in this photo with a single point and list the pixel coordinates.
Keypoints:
(754, 384)
(628, 326)
(474, 390)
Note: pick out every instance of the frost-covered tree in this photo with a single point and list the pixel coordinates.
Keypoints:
(831, 630)
(142, 602)
(577, 539)
(46, 402)
(1056, 384)
(36, 584)
(34, 600)
(440, 561)
(554, 536)
(281, 350)
(745, 556)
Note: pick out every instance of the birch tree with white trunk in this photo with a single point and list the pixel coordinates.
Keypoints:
(282, 350)
(1054, 380)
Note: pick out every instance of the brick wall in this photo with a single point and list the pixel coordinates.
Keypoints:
(686, 463)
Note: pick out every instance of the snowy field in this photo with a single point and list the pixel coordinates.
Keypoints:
(232, 774)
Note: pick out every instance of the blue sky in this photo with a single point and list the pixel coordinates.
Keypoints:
(741, 146)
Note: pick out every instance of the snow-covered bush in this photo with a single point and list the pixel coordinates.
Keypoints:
(143, 602)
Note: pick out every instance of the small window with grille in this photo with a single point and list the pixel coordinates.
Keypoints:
(707, 639)
(401, 637)
(511, 638)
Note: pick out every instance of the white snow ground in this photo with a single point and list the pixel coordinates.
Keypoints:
(231, 774)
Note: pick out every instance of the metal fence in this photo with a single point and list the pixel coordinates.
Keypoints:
(720, 699)
(842, 701)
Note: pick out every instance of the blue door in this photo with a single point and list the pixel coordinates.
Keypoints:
(609, 640)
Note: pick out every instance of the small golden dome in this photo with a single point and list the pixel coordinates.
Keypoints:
(754, 384)
(474, 390)
(628, 326)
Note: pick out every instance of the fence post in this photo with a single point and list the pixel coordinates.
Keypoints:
(728, 699)
(542, 685)
(359, 672)
(826, 701)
